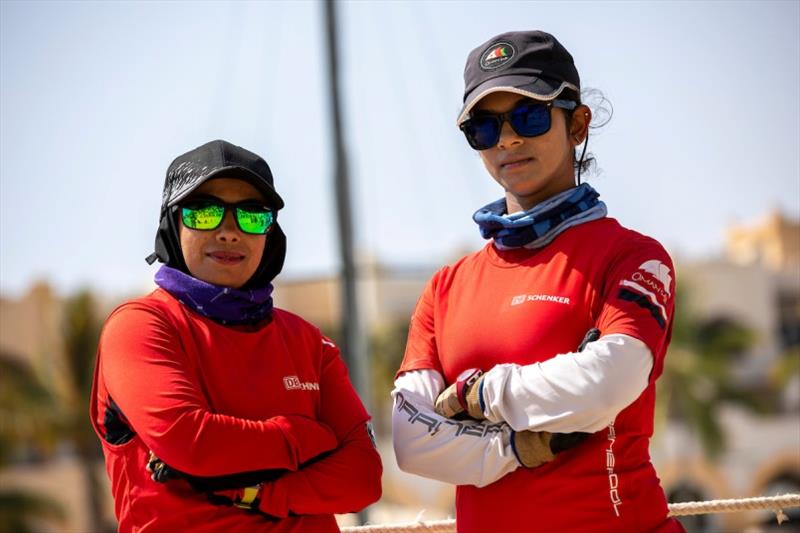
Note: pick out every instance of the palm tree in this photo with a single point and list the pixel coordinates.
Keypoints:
(27, 420)
(386, 348)
(785, 369)
(81, 333)
(697, 382)
(21, 511)
(697, 377)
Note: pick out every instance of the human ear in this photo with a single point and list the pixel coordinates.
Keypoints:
(579, 126)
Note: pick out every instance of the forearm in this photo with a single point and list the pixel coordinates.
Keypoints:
(349, 478)
(581, 391)
(345, 481)
(457, 452)
(192, 444)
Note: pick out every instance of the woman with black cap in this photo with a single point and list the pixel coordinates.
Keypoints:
(529, 373)
(216, 411)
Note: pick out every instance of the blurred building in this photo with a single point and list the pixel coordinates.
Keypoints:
(387, 294)
(31, 333)
(29, 326)
(772, 243)
(757, 284)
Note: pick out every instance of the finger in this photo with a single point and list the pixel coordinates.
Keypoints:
(152, 459)
(155, 466)
(161, 473)
(447, 404)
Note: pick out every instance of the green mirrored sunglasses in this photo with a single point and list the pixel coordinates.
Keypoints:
(207, 214)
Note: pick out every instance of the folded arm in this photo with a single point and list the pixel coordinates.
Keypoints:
(155, 385)
(344, 481)
(457, 452)
(581, 391)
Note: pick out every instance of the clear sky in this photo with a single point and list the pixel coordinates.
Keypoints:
(96, 99)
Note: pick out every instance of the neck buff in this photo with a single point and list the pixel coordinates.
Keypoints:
(221, 304)
(539, 225)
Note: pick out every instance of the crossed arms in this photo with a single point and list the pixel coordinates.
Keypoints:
(305, 461)
(574, 392)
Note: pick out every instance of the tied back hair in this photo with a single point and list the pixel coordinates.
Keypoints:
(602, 111)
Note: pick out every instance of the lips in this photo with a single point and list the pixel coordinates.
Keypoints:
(515, 163)
(226, 258)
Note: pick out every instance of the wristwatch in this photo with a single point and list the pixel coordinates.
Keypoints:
(463, 382)
(248, 497)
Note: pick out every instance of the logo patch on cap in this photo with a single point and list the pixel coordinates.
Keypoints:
(497, 55)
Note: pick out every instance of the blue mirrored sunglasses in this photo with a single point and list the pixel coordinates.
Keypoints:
(527, 119)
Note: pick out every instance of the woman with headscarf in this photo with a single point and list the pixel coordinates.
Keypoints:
(216, 411)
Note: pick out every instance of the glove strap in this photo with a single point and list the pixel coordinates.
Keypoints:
(249, 496)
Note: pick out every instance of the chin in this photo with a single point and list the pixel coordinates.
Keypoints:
(523, 184)
(223, 280)
(525, 192)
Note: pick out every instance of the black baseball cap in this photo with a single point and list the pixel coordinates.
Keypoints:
(530, 63)
(217, 159)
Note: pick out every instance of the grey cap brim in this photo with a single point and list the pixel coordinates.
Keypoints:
(539, 89)
(273, 198)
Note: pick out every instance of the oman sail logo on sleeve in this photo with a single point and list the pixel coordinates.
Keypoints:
(649, 288)
(497, 55)
(660, 271)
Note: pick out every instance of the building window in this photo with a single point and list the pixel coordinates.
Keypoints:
(789, 319)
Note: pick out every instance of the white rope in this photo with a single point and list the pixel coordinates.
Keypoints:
(774, 503)
(439, 526)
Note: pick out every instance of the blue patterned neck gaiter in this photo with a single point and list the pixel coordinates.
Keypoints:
(539, 225)
(221, 304)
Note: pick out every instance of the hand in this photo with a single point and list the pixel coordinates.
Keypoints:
(247, 498)
(244, 498)
(160, 471)
(535, 448)
(532, 447)
(462, 397)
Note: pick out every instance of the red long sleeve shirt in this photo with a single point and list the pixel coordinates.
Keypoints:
(212, 400)
(525, 306)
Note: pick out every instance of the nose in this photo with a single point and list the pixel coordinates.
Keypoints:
(508, 137)
(228, 231)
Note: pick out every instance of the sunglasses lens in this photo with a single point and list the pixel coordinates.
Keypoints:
(202, 217)
(482, 132)
(530, 120)
(254, 219)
